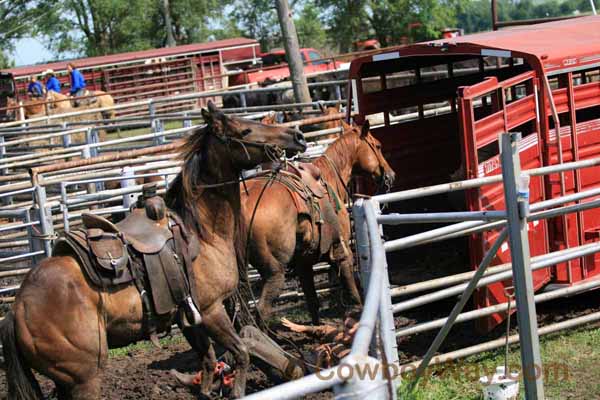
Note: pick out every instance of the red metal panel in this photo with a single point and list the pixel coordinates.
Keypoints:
(587, 95)
(492, 198)
(488, 128)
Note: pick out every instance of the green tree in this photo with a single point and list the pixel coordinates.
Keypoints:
(258, 19)
(311, 32)
(98, 27)
(347, 21)
(19, 19)
(190, 20)
(397, 21)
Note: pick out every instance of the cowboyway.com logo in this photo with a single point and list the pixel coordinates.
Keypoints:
(453, 369)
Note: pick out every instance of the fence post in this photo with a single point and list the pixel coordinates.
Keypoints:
(386, 317)
(22, 113)
(86, 153)
(338, 93)
(128, 198)
(3, 154)
(362, 242)
(66, 137)
(158, 127)
(187, 122)
(243, 100)
(33, 244)
(45, 219)
(517, 203)
(64, 207)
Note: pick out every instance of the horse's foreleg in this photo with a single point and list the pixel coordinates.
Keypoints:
(221, 330)
(201, 344)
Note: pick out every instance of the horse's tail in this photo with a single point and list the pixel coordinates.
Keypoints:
(21, 382)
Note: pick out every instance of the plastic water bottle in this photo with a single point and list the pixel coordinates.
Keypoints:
(523, 195)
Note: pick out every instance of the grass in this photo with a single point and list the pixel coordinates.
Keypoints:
(571, 360)
(144, 346)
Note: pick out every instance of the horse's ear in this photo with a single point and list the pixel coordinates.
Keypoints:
(206, 115)
(212, 114)
(364, 130)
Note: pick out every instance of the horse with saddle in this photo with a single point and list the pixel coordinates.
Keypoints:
(151, 248)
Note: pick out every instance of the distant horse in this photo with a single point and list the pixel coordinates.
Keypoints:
(31, 108)
(62, 326)
(97, 99)
(281, 236)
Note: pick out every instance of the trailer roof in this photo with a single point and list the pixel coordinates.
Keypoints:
(133, 56)
(559, 45)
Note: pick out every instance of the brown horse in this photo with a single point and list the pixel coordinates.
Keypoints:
(62, 326)
(281, 236)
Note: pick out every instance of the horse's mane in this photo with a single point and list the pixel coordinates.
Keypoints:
(181, 196)
(338, 150)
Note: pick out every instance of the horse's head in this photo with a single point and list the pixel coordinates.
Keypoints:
(251, 143)
(370, 157)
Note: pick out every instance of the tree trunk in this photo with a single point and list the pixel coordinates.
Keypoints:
(292, 50)
(168, 25)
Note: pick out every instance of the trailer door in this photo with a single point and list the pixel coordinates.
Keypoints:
(486, 110)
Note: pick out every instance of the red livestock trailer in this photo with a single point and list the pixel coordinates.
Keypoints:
(443, 104)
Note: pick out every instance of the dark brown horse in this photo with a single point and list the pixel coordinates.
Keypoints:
(62, 327)
(281, 236)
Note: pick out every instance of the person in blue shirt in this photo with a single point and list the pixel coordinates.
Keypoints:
(52, 83)
(35, 88)
(77, 83)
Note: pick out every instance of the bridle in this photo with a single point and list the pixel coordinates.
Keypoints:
(385, 182)
(272, 151)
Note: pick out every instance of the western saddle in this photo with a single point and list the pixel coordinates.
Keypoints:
(151, 248)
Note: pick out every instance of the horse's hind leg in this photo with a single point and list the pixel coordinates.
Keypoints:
(221, 330)
(88, 390)
(272, 273)
(307, 281)
(342, 258)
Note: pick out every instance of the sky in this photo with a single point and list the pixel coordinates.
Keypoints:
(30, 51)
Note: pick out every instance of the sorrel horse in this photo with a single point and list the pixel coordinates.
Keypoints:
(282, 237)
(62, 103)
(62, 327)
